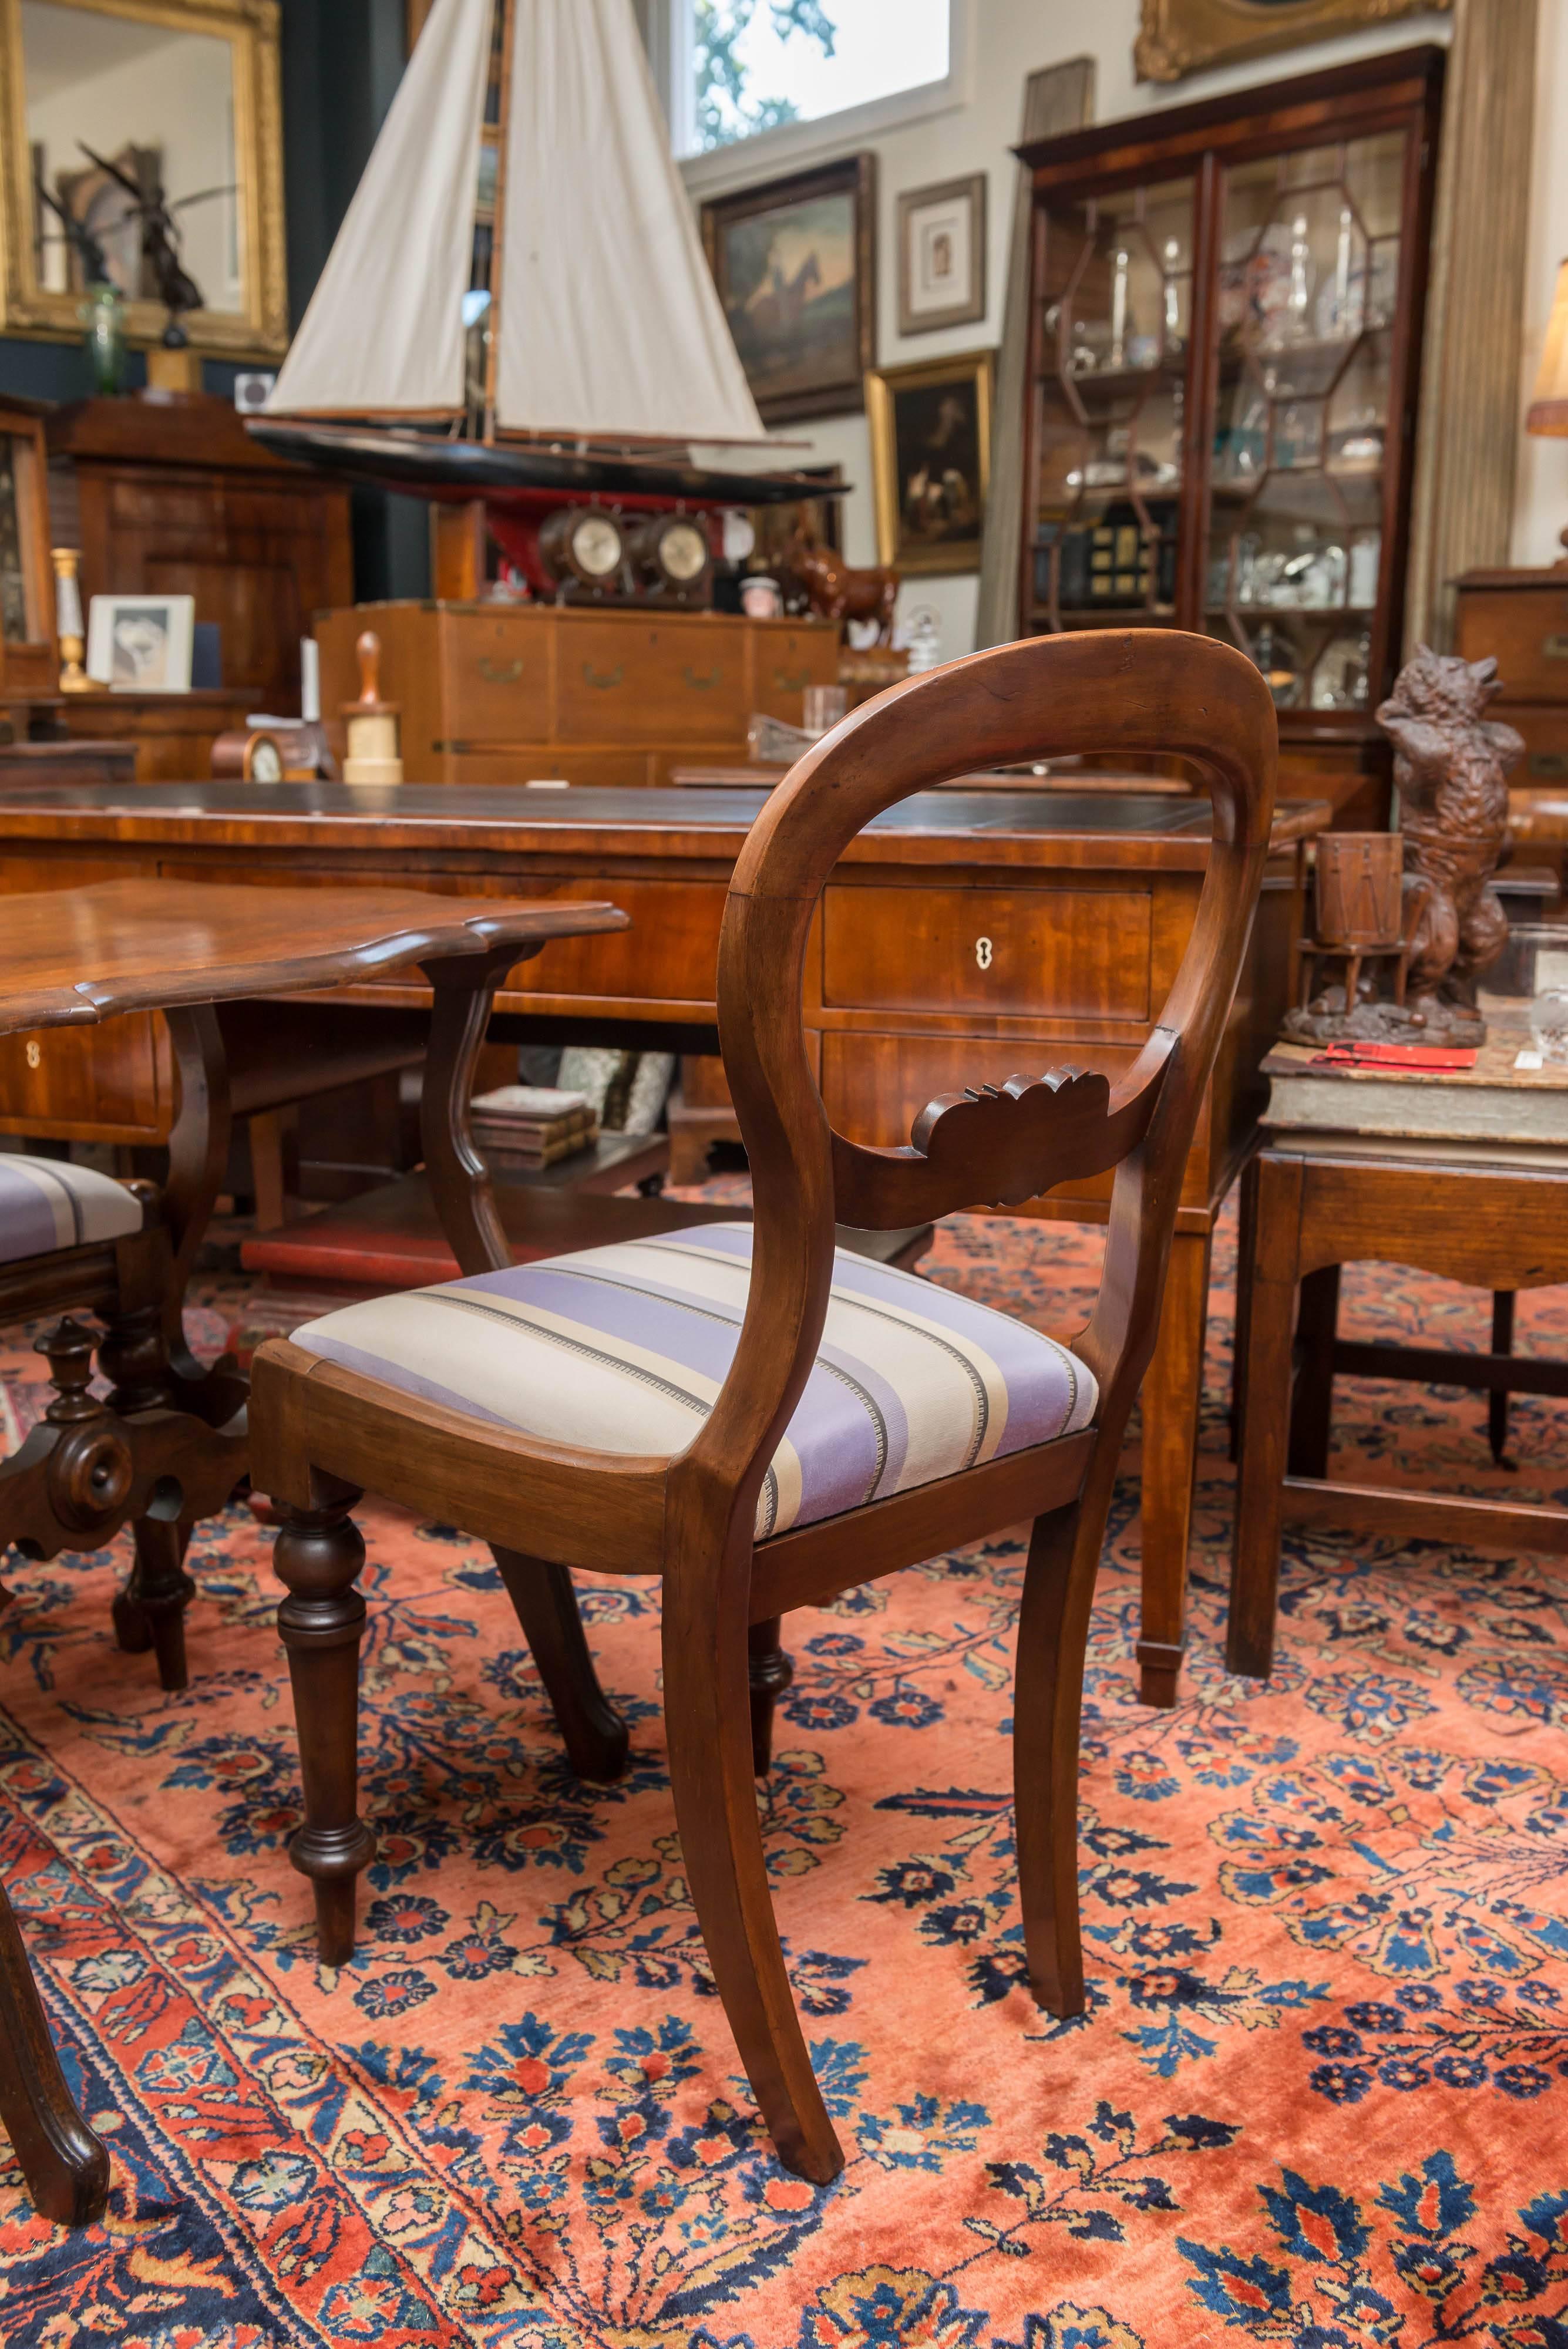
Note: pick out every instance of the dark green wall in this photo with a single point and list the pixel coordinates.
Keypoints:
(341, 61)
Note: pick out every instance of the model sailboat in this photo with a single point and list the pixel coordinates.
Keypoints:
(517, 309)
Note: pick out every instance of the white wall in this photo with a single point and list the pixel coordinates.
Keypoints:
(1541, 504)
(1010, 38)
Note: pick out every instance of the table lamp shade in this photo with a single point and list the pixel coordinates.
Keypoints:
(1548, 410)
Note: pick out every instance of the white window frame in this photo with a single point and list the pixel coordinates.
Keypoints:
(794, 145)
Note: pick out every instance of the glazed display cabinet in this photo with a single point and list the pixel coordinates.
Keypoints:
(1227, 306)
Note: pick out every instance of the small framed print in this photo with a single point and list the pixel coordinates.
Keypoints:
(942, 256)
(141, 644)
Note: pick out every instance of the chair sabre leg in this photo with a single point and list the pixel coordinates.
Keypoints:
(769, 1672)
(317, 1554)
(1052, 1638)
(64, 2166)
(546, 1603)
(708, 1719)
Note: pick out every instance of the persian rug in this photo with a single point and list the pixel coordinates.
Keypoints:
(1320, 2096)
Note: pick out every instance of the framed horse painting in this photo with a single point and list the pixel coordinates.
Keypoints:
(794, 264)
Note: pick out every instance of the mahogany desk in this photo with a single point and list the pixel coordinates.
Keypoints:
(1040, 926)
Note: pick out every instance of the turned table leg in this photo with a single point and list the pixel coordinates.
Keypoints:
(1172, 1392)
(769, 1672)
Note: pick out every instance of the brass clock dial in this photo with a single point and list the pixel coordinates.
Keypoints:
(596, 546)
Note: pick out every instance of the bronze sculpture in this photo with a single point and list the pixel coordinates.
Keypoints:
(1451, 766)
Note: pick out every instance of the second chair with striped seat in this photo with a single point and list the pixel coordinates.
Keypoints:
(764, 1421)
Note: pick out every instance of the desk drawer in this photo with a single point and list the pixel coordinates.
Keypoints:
(1059, 953)
(495, 678)
(786, 660)
(1526, 631)
(1544, 766)
(650, 682)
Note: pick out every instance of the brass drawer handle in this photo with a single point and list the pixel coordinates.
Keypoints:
(791, 680)
(1554, 647)
(700, 684)
(501, 673)
(603, 680)
(984, 953)
(1551, 763)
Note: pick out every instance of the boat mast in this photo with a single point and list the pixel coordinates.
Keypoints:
(494, 135)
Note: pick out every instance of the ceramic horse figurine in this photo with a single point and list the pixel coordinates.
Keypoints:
(839, 592)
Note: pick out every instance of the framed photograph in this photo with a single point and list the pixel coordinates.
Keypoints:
(1183, 37)
(795, 263)
(141, 644)
(930, 460)
(942, 256)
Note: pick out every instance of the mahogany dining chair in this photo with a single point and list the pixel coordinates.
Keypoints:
(760, 1420)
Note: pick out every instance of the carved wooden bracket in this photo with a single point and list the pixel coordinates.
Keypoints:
(1000, 1146)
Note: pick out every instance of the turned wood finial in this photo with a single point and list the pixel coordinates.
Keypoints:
(369, 650)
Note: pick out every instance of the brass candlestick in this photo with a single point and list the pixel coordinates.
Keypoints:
(68, 628)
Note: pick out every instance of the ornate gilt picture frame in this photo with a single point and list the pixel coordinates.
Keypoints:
(252, 320)
(1183, 37)
(930, 460)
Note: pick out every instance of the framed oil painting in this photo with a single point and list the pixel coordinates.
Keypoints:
(795, 263)
(1183, 37)
(942, 256)
(930, 460)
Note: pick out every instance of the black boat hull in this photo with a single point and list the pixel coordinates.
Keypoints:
(457, 470)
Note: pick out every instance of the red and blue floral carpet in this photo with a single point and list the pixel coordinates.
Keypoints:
(1320, 2097)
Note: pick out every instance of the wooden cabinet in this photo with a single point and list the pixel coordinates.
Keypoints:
(1227, 307)
(1521, 619)
(508, 693)
(167, 493)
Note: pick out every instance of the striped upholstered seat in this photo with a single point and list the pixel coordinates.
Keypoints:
(46, 1203)
(623, 1349)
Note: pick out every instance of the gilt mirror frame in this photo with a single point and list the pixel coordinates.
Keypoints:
(258, 327)
(1177, 37)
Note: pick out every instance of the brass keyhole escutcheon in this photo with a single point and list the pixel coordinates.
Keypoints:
(982, 953)
(34, 1053)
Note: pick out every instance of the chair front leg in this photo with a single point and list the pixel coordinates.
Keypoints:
(1048, 1695)
(64, 2166)
(319, 1553)
(594, 1734)
(706, 1711)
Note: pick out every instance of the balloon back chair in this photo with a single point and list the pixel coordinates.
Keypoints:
(765, 1423)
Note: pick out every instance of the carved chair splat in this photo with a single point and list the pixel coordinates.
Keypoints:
(325, 1429)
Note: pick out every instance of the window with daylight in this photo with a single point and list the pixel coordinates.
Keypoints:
(757, 65)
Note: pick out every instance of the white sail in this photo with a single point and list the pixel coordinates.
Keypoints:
(610, 323)
(383, 333)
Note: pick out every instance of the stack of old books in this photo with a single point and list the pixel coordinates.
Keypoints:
(524, 1127)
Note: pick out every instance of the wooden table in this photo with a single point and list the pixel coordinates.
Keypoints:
(1043, 926)
(72, 958)
(1464, 1176)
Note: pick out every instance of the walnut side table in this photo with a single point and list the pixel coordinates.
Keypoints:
(1462, 1176)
